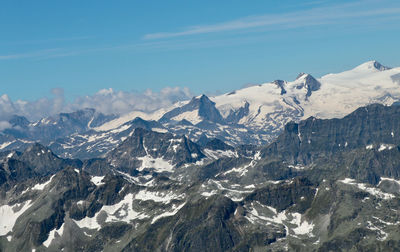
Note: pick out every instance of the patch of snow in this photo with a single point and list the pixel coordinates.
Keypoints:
(389, 179)
(208, 194)
(130, 116)
(383, 147)
(158, 164)
(216, 154)
(244, 169)
(10, 214)
(121, 211)
(382, 235)
(191, 116)
(387, 223)
(371, 190)
(4, 145)
(89, 123)
(297, 167)
(166, 214)
(369, 147)
(42, 186)
(129, 178)
(52, 234)
(214, 187)
(200, 162)
(81, 202)
(157, 196)
(240, 170)
(87, 222)
(303, 227)
(97, 180)
(87, 234)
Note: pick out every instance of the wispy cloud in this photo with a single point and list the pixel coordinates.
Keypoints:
(46, 40)
(44, 53)
(355, 16)
(315, 16)
(33, 54)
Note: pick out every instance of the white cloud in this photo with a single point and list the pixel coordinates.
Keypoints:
(4, 125)
(107, 101)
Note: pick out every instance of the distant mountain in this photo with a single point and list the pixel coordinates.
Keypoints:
(253, 115)
(49, 129)
(197, 110)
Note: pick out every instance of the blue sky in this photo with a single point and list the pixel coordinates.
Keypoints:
(206, 46)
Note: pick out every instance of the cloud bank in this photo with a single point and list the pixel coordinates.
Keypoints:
(107, 101)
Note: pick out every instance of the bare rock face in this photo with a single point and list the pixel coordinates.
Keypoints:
(153, 146)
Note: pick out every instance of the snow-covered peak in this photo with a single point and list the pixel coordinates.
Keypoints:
(343, 92)
(371, 65)
(200, 108)
(302, 76)
(307, 81)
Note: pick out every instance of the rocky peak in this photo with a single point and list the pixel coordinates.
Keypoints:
(43, 161)
(372, 65)
(80, 117)
(138, 122)
(204, 107)
(36, 149)
(145, 147)
(207, 108)
(379, 66)
(20, 121)
(301, 75)
(309, 82)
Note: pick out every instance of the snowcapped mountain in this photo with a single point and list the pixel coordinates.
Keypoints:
(322, 185)
(333, 95)
(254, 115)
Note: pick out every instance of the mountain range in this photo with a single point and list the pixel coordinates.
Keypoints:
(308, 165)
(253, 115)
